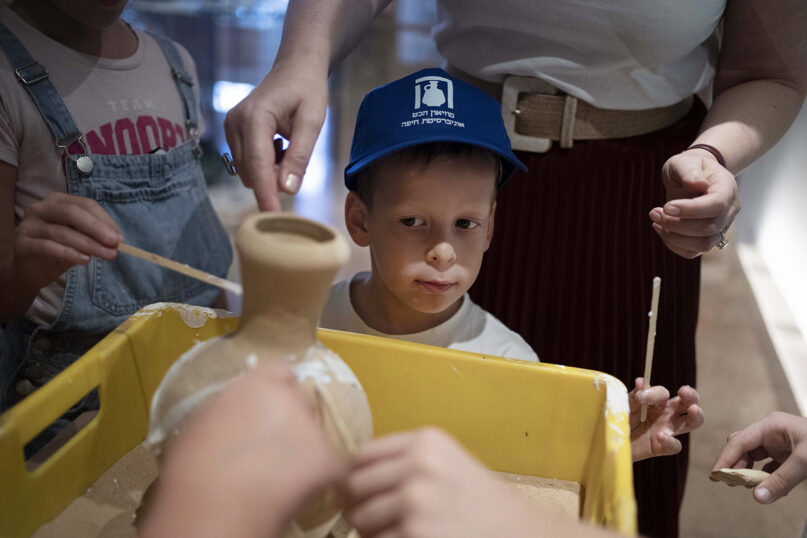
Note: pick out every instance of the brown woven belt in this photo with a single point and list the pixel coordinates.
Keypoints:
(536, 114)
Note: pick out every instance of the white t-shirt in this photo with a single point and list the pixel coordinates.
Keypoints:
(470, 329)
(627, 55)
(123, 107)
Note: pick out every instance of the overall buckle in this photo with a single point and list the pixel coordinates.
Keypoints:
(193, 132)
(31, 73)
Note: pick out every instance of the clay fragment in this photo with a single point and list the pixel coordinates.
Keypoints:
(740, 477)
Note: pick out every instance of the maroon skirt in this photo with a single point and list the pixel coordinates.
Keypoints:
(571, 268)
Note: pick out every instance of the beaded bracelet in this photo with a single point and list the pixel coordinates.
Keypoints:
(711, 149)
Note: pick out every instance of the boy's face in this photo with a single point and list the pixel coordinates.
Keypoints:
(427, 228)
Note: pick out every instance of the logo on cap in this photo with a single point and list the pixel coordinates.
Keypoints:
(434, 102)
(429, 92)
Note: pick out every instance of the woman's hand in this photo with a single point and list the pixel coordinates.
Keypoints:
(702, 201)
(292, 103)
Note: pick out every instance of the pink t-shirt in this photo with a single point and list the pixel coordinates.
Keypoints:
(123, 106)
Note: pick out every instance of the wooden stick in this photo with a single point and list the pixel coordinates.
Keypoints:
(181, 268)
(651, 339)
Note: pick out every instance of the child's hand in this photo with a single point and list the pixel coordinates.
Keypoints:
(61, 231)
(666, 418)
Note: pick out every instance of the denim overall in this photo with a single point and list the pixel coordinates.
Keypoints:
(160, 204)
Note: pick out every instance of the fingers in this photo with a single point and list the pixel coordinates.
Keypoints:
(306, 127)
(666, 445)
(738, 446)
(256, 165)
(654, 396)
(702, 201)
(82, 214)
(384, 447)
(371, 480)
(698, 188)
(377, 514)
(790, 473)
(249, 134)
(60, 242)
(98, 212)
(686, 246)
(69, 228)
(45, 248)
(253, 123)
(691, 227)
(714, 203)
(694, 419)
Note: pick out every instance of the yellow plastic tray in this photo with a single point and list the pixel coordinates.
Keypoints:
(536, 419)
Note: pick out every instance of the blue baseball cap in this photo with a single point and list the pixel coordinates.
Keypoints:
(427, 106)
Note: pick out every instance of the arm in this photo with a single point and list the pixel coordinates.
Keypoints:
(759, 87)
(292, 99)
(55, 234)
(779, 436)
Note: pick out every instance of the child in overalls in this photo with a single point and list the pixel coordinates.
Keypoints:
(99, 142)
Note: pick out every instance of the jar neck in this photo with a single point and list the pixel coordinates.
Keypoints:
(282, 307)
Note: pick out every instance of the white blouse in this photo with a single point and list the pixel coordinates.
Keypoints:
(632, 54)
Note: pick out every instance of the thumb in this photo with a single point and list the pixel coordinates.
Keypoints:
(688, 174)
(667, 445)
(779, 484)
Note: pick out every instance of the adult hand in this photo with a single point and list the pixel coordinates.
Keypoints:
(290, 102)
(246, 463)
(702, 200)
(423, 484)
(666, 419)
(782, 438)
(61, 231)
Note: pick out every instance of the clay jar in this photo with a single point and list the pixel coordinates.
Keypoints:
(288, 264)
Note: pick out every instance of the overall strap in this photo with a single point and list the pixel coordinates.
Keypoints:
(34, 78)
(184, 83)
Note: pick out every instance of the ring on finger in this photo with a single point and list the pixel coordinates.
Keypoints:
(229, 164)
(723, 240)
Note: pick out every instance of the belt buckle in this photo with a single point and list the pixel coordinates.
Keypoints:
(512, 86)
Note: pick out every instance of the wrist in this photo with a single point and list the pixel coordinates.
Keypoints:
(302, 59)
(711, 150)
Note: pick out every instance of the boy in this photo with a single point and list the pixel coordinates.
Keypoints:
(429, 153)
(99, 128)
(423, 178)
